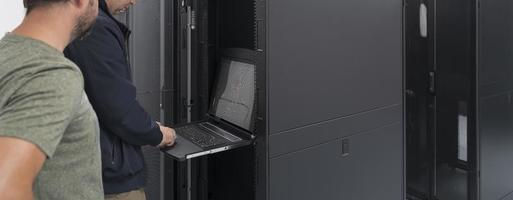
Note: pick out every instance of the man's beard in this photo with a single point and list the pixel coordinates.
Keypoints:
(84, 23)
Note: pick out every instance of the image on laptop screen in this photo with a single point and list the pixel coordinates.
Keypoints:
(234, 93)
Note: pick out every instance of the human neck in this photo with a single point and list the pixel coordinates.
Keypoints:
(47, 27)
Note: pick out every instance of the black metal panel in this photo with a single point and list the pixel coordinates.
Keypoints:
(152, 158)
(496, 146)
(456, 171)
(261, 148)
(329, 59)
(419, 100)
(495, 101)
(495, 38)
(455, 67)
(231, 175)
(441, 101)
(170, 98)
(370, 166)
(306, 137)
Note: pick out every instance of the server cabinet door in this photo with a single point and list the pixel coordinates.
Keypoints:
(365, 166)
(420, 98)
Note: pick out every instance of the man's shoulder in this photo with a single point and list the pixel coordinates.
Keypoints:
(28, 59)
(103, 32)
(105, 29)
(104, 20)
(63, 70)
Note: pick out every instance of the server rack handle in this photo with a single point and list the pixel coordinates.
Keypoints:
(423, 20)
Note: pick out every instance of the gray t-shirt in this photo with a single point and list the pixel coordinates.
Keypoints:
(42, 101)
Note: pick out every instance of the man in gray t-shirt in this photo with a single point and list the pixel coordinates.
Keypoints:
(49, 134)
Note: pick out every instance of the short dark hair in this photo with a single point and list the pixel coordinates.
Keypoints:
(31, 4)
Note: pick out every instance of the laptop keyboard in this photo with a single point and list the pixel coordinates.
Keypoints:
(199, 136)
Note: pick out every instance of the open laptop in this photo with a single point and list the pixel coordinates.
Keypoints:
(230, 120)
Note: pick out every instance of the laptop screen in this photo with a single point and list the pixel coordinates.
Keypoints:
(234, 92)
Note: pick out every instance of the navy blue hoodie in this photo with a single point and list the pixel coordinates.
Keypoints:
(124, 125)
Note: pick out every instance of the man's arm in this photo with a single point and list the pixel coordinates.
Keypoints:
(32, 124)
(20, 162)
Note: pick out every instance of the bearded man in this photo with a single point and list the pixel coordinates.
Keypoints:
(49, 133)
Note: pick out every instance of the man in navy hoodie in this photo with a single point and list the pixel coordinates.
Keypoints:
(124, 125)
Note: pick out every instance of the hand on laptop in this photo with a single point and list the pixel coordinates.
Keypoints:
(168, 136)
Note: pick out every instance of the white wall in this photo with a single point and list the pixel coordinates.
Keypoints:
(11, 14)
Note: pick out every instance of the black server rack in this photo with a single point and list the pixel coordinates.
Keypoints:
(196, 32)
(329, 98)
(458, 99)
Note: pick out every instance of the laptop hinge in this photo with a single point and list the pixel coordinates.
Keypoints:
(218, 120)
